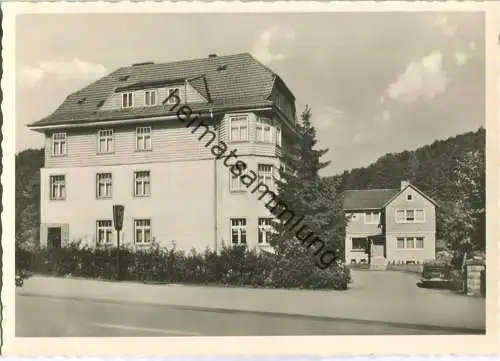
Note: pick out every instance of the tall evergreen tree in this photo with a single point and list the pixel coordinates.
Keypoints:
(312, 200)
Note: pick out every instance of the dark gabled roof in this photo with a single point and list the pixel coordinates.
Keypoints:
(243, 82)
(368, 198)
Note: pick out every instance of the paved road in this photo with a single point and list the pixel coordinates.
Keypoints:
(42, 316)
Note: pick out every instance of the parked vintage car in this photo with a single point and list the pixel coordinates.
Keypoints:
(436, 274)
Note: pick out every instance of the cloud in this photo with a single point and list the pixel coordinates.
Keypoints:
(383, 118)
(422, 79)
(269, 38)
(74, 69)
(444, 25)
(325, 117)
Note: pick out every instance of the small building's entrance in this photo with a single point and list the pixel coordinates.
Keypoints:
(53, 237)
(377, 252)
(377, 249)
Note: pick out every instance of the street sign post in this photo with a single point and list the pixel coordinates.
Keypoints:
(118, 211)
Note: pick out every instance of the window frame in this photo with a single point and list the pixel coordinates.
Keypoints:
(266, 175)
(108, 232)
(61, 194)
(241, 187)
(244, 119)
(173, 100)
(405, 218)
(142, 183)
(147, 99)
(143, 229)
(279, 135)
(264, 230)
(354, 249)
(98, 182)
(141, 136)
(239, 228)
(370, 219)
(264, 123)
(61, 142)
(107, 137)
(130, 100)
(414, 242)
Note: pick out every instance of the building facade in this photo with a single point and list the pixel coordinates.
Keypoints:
(120, 141)
(390, 226)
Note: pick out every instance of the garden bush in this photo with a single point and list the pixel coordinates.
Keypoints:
(232, 266)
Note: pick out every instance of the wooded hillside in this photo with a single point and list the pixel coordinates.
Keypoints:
(450, 171)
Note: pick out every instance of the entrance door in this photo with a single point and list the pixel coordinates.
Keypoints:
(377, 248)
(54, 237)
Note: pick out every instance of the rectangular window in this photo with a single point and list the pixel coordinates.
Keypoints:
(278, 135)
(410, 242)
(410, 215)
(400, 215)
(57, 187)
(264, 130)
(104, 234)
(401, 242)
(143, 138)
(238, 231)
(239, 128)
(265, 175)
(235, 183)
(59, 144)
(358, 244)
(420, 243)
(104, 185)
(142, 231)
(372, 217)
(142, 183)
(265, 230)
(150, 97)
(419, 215)
(171, 93)
(105, 141)
(127, 100)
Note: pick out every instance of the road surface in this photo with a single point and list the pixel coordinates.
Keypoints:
(43, 316)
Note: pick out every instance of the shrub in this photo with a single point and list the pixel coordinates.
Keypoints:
(235, 266)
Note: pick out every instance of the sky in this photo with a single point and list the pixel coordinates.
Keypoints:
(377, 83)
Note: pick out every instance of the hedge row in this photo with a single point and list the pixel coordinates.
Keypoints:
(235, 266)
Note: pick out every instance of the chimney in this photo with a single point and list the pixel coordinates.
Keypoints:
(212, 55)
(404, 184)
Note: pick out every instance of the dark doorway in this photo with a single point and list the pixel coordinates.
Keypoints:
(54, 237)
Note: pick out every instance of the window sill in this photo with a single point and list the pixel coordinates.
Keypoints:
(239, 141)
(57, 199)
(104, 153)
(143, 150)
(358, 250)
(262, 142)
(142, 195)
(104, 198)
(238, 192)
(59, 155)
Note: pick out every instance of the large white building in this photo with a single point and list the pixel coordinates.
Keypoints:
(118, 141)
